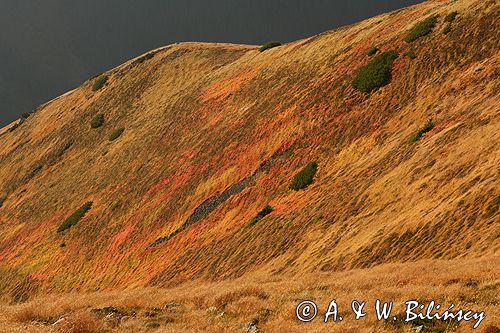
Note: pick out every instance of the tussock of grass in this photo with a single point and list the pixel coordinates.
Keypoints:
(2, 200)
(269, 45)
(421, 29)
(420, 133)
(260, 215)
(304, 177)
(371, 51)
(376, 73)
(100, 82)
(97, 121)
(75, 217)
(116, 134)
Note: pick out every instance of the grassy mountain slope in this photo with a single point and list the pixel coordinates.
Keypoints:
(200, 119)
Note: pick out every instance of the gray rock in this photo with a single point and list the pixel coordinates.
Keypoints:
(124, 319)
(251, 327)
(171, 305)
(212, 309)
(418, 329)
(59, 321)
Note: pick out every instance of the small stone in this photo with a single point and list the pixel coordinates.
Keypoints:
(124, 318)
(251, 327)
(418, 329)
(212, 309)
(105, 311)
(171, 305)
(59, 321)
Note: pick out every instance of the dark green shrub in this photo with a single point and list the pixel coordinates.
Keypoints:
(372, 50)
(410, 55)
(376, 73)
(420, 133)
(447, 29)
(260, 215)
(97, 121)
(269, 45)
(75, 217)
(100, 82)
(14, 127)
(116, 134)
(304, 177)
(451, 16)
(2, 200)
(421, 29)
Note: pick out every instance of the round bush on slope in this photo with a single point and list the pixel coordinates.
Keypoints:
(447, 29)
(376, 73)
(116, 134)
(451, 16)
(75, 217)
(97, 121)
(269, 45)
(304, 177)
(100, 82)
(421, 29)
(2, 200)
(372, 50)
(260, 215)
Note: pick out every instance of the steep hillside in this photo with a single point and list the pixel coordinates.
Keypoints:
(210, 134)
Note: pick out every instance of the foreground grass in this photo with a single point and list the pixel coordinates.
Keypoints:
(269, 302)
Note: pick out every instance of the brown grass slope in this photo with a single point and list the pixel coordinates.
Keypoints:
(199, 118)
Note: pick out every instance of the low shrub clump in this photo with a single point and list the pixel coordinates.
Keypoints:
(269, 45)
(304, 177)
(100, 82)
(2, 200)
(420, 133)
(75, 217)
(116, 134)
(260, 215)
(421, 29)
(451, 16)
(411, 55)
(376, 73)
(372, 50)
(447, 29)
(97, 121)
(14, 127)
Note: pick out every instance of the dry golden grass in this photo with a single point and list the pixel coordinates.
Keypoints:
(227, 306)
(383, 218)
